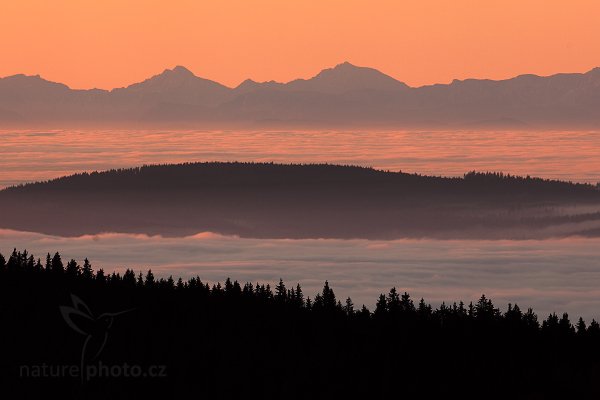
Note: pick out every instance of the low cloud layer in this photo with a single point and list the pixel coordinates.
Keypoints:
(548, 275)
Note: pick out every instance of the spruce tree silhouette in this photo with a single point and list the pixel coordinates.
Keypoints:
(56, 264)
(329, 301)
(594, 329)
(381, 308)
(349, 307)
(149, 281)
(280, 291)
(581, 327)
(73, 269)
(87, 272)
(393, 302)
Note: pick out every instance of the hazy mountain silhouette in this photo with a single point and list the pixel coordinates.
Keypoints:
(301, 201)
(178, 85)
(343, 96)
(346, 78)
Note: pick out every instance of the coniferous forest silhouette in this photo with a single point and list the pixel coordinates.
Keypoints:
(272, 340)
(271, 200)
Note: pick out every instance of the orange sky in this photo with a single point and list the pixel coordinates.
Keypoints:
(112, 43)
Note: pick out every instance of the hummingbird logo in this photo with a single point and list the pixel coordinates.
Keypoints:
(80, 318)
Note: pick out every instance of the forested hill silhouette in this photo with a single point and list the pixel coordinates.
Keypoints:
(345, 96)
(172, 338)
(266, 200)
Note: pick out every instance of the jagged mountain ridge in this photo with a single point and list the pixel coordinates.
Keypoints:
(345, 95)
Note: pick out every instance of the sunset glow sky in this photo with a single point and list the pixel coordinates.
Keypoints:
(112, 43)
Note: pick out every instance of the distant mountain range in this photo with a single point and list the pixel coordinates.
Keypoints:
(343, 96)
(301, 201)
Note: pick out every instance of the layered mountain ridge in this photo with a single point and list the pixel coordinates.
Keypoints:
(343, 96)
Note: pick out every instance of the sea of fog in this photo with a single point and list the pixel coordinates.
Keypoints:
(549, 275)
(38, 155)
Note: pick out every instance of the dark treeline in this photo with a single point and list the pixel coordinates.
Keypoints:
(266, 200)
(197, 174)
(254, 340)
